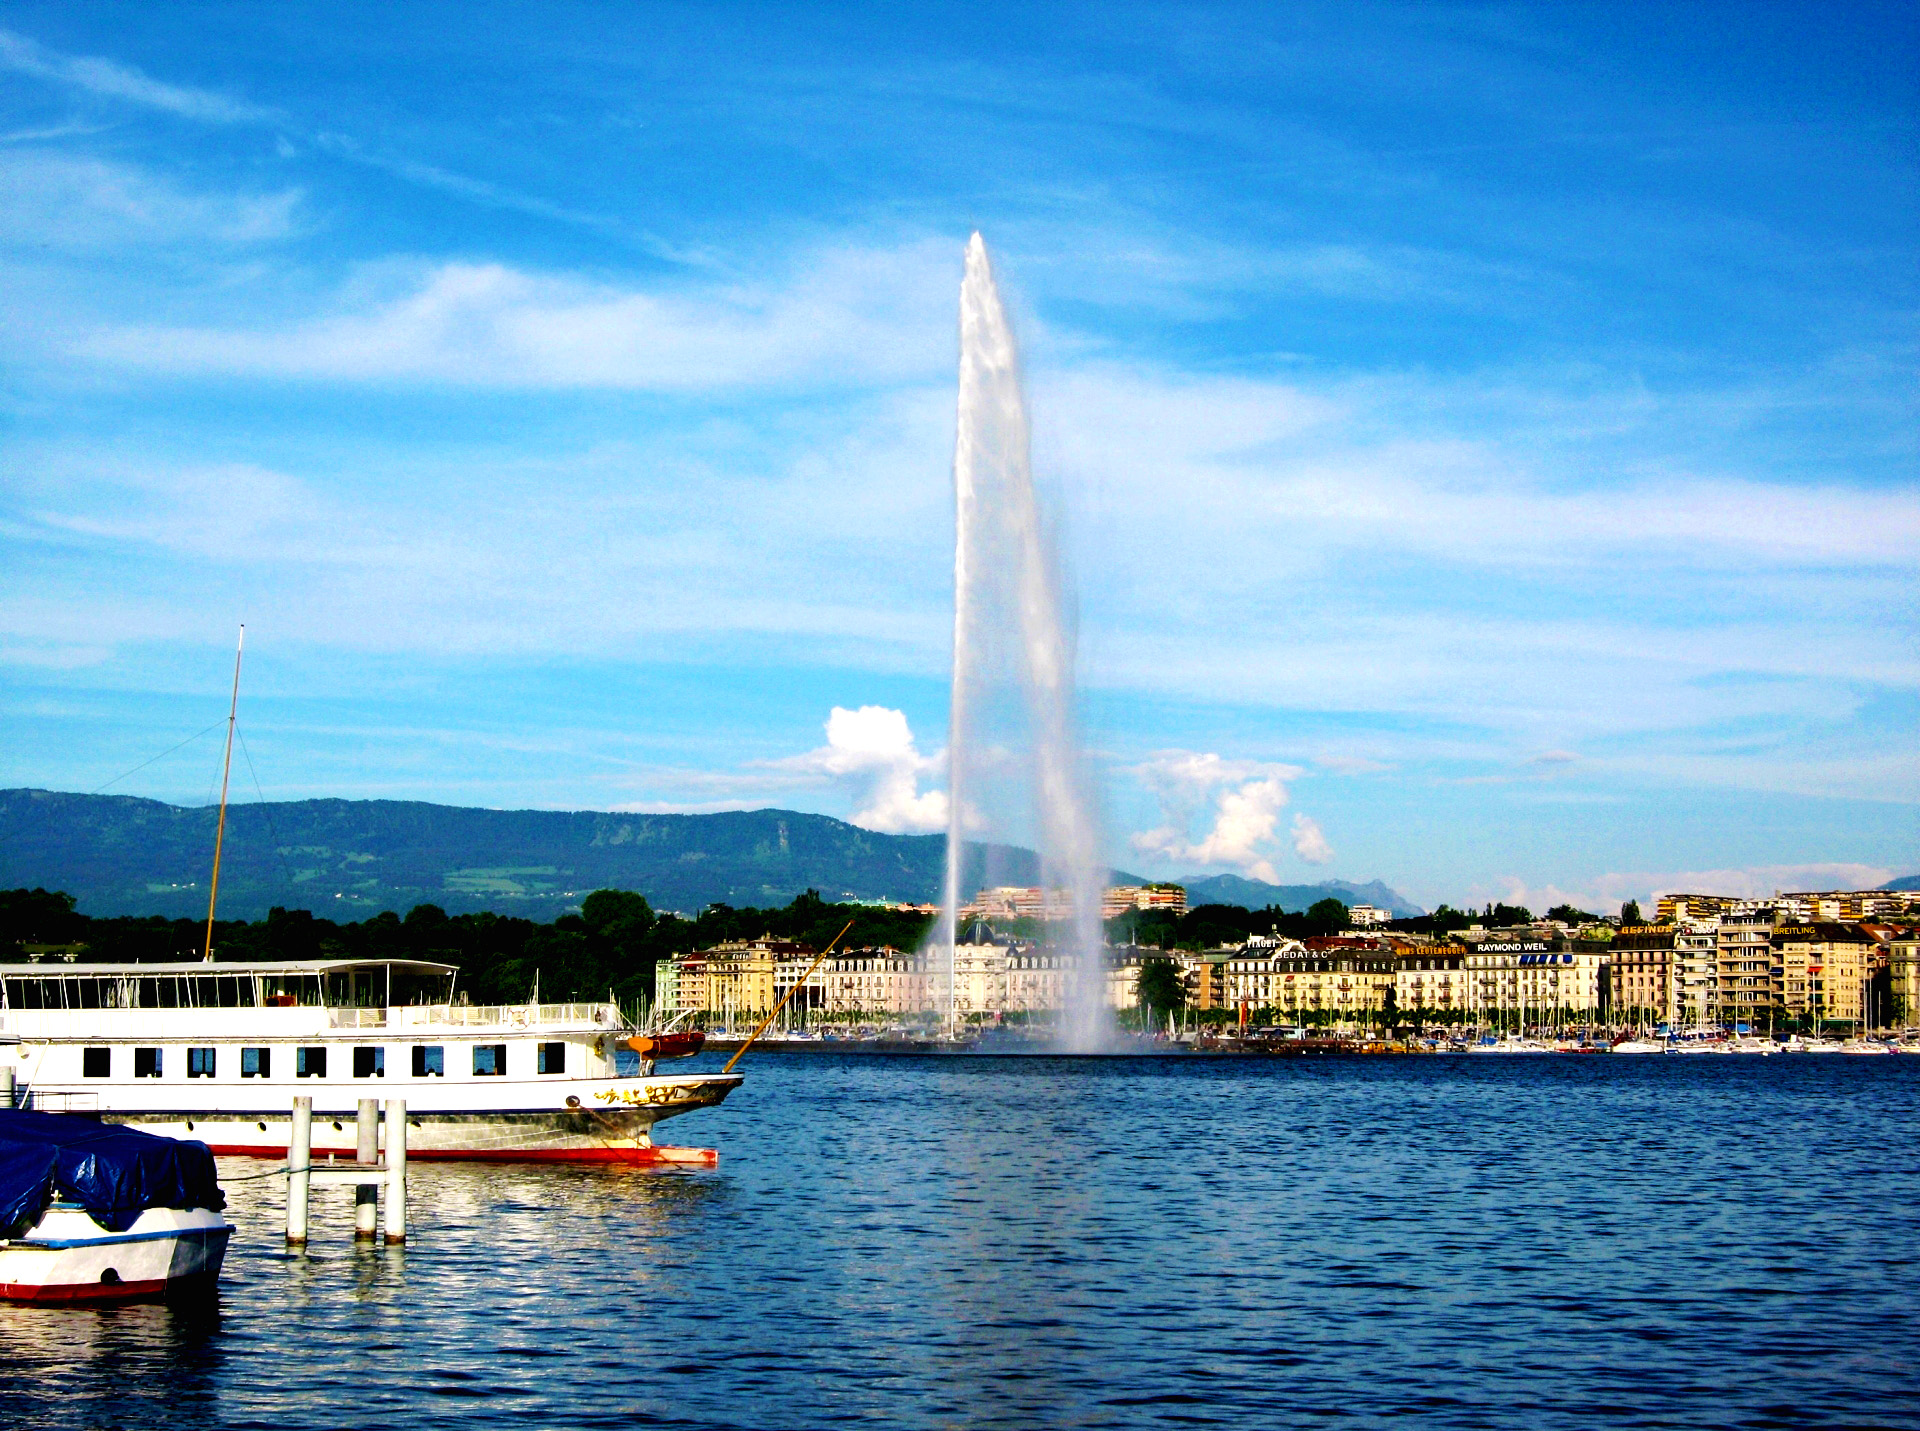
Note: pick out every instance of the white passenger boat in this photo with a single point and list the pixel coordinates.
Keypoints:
(93, 1213)
(218, 1052)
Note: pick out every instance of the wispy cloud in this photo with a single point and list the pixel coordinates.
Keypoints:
(1605, 893)
(845, 315)
(89, 204)
(112, 80)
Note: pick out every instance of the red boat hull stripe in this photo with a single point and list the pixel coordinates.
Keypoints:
(671, 1157)
(80, 1291)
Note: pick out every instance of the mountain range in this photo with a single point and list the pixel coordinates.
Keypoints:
(347, 859)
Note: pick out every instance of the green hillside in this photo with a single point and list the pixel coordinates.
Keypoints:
(345, 859)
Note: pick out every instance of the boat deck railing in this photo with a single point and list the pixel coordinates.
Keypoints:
(502, 1016)
(42, 1102)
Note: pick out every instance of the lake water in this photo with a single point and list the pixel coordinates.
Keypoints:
(1024, 1242)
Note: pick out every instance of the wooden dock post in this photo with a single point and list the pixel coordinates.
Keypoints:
(366, 1196)
(396, 1171)
(299, 1171)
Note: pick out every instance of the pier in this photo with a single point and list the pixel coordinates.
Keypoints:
(366, 1174)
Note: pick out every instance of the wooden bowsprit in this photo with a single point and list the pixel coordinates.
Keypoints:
(799, 984)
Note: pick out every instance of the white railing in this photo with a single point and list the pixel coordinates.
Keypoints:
(505, 1016)
(63, 1102)
(357, 1018)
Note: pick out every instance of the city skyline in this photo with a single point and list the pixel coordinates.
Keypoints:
(1483, 442)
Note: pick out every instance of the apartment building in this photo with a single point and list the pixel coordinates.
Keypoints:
(1640, 982)
(1346, 980)
(1903, 978)
(1119, 898)
(1431, 980)
(1749, 985)
(1533, 977)
(1696, 973)
(742, 975)
(1205, 974)
(1835, 906)
(1692, 908)
(1828, 971)
(881, 982)
(1033, 902)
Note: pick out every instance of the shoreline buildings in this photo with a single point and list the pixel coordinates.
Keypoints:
(1797, 960)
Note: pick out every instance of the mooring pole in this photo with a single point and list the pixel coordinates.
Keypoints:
(396, 1171)
(299, 1171)
(366, 1196)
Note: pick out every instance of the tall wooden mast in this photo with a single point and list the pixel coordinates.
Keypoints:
(226, 770)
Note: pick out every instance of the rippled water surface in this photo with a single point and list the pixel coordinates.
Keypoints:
(1028, 1242)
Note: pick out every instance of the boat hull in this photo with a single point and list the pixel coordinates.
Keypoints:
(67, 1257)
(598, 1135)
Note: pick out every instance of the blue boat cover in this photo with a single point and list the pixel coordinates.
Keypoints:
(115, 1173)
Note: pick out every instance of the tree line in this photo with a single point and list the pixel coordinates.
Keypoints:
(612, 944)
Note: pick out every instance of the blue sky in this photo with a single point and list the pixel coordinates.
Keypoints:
(1483, 437)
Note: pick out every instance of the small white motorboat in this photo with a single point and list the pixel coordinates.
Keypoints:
(93, 1212)
(68, 1257)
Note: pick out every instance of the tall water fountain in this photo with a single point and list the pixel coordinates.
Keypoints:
(1012, 737)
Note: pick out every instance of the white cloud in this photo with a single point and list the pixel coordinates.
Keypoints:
(872, 748)
(1604, 894)
(94, 203)
(1244, 799)
(845, 316)
(1308, 841)
(113, 80)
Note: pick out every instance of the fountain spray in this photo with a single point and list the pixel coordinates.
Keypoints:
(1008, 614)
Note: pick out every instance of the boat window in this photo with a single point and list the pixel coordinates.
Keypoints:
(417, 988)
(146, 1063)
(310, 1061)
(370, 1062)
(489, 1060)
(256, 1063)
(553, 1057)
(429, 1061)
(200, 1063)
(96, 1063)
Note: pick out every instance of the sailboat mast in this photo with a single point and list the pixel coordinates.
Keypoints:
(226, 771)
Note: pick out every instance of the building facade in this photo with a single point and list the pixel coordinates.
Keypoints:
(1431, 982)
(1828, 971)
(1530, 979)
(1640, 987)
(874, 983)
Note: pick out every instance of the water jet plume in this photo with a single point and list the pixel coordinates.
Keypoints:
(1013, 741)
